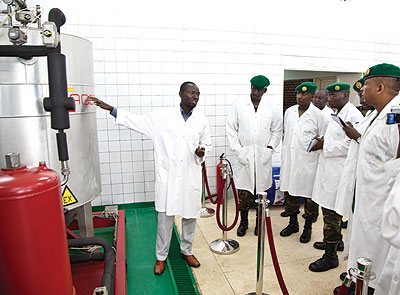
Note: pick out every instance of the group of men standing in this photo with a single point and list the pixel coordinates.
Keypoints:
(333, 159)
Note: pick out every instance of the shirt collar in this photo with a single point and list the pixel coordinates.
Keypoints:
(185, 116)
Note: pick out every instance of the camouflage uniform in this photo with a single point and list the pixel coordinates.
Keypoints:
(292, 205)
(245, 199)
(332, 226)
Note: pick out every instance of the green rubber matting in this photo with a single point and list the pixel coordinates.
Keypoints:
(141, 226)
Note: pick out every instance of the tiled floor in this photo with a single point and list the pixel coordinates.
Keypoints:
(236, 273)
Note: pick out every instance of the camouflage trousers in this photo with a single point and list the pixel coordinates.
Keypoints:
(332, 226)
(245, 199)
(292, 206)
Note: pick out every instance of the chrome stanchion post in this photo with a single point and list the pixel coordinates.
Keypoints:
(262, 211)
(225, 246)
(205, 212)
(363, 275)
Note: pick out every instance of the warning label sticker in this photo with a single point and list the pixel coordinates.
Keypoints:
(68, 197)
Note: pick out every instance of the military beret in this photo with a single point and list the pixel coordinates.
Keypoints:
(260, 82)
(337, 87)
(359, 84)
(308, 87)
(382, 70)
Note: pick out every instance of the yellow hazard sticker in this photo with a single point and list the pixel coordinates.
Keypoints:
(68, 197)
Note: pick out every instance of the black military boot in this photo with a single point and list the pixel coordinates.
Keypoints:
(244, 223)
(293, 226)
(328, 261)
(322, 246)
(306, 235)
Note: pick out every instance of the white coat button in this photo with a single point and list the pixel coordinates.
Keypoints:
(396, 278)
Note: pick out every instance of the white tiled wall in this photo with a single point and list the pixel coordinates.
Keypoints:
(139, 66)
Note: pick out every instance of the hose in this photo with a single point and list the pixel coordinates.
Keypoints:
(274, 257)
(109, 258)
(220, 197)
(207, 186)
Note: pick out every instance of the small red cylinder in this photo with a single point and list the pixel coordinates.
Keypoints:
(34, 255)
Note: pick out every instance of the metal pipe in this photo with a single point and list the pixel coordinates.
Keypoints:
(363, 275)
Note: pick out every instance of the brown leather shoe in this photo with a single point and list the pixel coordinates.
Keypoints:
(191, 260)
(159, 267)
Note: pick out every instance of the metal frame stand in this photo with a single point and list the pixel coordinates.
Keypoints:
(262, 211)
(205, 212)
(363, 275)
(224, 246)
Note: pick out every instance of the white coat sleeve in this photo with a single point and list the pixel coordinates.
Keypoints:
(323, 122)
(141, 123)
(232, 131)
(391, 210)
(276, 129)
(205, 142)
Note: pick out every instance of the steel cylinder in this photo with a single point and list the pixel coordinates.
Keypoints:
(34, 255)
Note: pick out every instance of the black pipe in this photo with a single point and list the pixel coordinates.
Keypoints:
(78, 258)
(109, 258)
(26, 51)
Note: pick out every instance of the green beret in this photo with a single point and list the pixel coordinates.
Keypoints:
(260, 82)
(337, 87)
(382, 70)
(308, 87)
(359, 84)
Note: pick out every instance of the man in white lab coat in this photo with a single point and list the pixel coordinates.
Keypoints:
(181, 138)
(335, 146)
(378, 145)
(254, 129)
(298, 166)
(320, 101)
(389, 283)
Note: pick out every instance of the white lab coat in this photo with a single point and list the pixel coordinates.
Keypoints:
(249, 133)
(298, 167)
(389, 283)
(177, 168)
(327, 111)
(345, 192)
(331, 160)
(378, 146)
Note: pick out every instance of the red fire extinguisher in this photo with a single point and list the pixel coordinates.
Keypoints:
(219, 170)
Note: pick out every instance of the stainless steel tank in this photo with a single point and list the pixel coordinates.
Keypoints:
(25, 126)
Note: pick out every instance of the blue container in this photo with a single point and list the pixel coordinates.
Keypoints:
(275, 185)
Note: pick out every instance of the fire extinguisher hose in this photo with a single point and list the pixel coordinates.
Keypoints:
(275, 257)
(219, 203)
(207, 186)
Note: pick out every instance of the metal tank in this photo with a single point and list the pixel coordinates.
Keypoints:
(25, 126)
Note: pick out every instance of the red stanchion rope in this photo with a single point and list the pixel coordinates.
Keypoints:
(207, 186)
(220, 201)
(344, 290)
(274, 256)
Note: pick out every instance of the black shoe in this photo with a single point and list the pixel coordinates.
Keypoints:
(343, 276)
(328, 261)
(256, 227)
(344, 224)
(244, 223)
(322, 246)
(284, 214)
(306, 235)
(293, 226)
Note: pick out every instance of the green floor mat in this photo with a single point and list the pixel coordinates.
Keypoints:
(141, 225)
